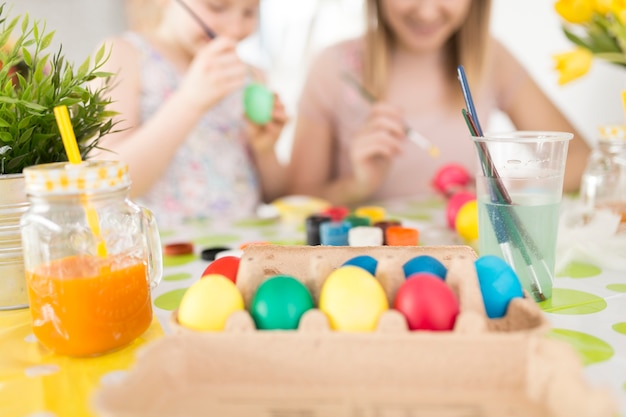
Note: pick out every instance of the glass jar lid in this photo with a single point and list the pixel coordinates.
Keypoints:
(612, 132)
(61, 178)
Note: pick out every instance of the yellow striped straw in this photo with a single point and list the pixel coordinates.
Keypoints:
(64, 123)
(624, 101)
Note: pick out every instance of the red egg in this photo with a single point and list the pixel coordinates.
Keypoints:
(455, 203)
(227, 266)
(427, 303)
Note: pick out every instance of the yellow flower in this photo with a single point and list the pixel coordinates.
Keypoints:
(573, 64)
(602, 6)
(618, 7)
(575, 11)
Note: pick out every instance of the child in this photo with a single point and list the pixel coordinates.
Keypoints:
(178, 91)
(348, 150)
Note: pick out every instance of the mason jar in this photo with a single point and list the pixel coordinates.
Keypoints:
(604, 180)
(91, 257)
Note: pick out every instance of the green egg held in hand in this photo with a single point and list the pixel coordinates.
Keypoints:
(258, 102)
(279, 303)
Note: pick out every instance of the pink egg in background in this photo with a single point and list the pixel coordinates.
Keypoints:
(451, 177)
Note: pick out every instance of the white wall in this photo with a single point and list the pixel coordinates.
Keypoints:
(79, 24)
(292, 30)
(531, 29)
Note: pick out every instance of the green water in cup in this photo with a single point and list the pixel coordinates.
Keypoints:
(258, 102)
(540, 220)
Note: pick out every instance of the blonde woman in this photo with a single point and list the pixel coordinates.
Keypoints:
(350, 149)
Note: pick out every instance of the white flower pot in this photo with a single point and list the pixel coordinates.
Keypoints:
(13, 203)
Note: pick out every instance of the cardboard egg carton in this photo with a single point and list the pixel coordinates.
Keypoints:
(483, 367)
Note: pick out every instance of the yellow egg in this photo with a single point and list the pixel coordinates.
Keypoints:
(352, 299)
(209, 302)
(466, 223)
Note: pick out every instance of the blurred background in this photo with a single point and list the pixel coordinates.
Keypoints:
(292, 31)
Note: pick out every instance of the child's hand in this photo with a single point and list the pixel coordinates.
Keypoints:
(374, 146)
(263, 137)
(215, 72)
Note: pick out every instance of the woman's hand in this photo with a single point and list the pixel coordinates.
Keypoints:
(263, 137)
(374, 147)
(215, 72)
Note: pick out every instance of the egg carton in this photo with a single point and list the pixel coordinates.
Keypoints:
(483, 367)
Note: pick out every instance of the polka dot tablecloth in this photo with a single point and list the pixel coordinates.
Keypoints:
(587, 310)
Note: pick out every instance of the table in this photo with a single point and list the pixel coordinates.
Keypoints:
(588, 310)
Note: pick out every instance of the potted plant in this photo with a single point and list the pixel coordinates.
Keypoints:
(32, 82)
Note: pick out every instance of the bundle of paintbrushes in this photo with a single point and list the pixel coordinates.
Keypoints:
(509, 230)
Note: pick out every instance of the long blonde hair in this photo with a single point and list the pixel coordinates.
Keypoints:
(468, 46)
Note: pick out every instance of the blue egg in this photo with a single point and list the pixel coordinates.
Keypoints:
(499, 284)
(424, 263)
(364, 261)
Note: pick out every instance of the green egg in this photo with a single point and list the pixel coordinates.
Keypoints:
(258, 102)
(279, 303)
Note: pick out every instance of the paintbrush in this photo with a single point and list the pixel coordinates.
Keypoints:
(207, 30)
(411, 133)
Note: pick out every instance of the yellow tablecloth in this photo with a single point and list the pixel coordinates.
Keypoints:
(36, 382)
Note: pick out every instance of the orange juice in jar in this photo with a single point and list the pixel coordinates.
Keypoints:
(97, 307)
(91, 256)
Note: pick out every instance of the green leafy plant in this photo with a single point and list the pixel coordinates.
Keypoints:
(32, 82)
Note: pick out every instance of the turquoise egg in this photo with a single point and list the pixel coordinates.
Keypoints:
(279, 303)
(364, 261)
(258, 102)
(499, 284)
(424, 263)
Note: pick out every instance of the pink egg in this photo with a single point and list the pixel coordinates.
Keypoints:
(451, 177)
(454, 204)
(427, 303)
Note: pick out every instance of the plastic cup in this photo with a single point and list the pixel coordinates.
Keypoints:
(518, 202)
(258, 101)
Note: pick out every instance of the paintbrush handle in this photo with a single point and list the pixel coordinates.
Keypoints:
(207, 30)
(420, 141)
